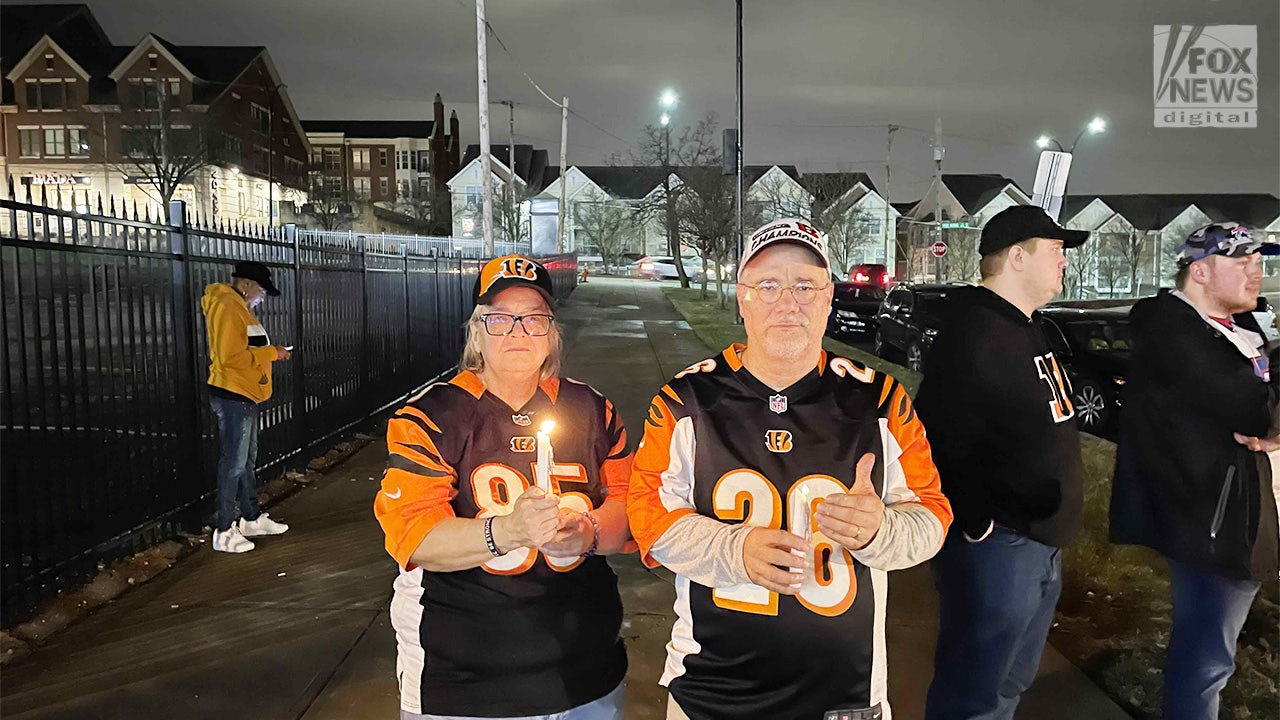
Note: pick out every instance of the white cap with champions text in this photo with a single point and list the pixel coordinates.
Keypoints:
(788, 230)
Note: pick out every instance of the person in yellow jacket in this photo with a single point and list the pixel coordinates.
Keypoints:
(240, 358)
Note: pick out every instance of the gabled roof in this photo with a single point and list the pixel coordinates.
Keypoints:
(531, 164)
(72, 27)
(1154, 211)
(751, 174)
(627, 182)
(904, 207)
(390, 129)
(973, 192)
(827, 188)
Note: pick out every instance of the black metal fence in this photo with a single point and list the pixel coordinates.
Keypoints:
(107, 438)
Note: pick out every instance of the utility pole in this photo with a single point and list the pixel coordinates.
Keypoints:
(738, 185)
(486, 162)
(511, 214)
(938, 151)
(891, 234)
(564, 146)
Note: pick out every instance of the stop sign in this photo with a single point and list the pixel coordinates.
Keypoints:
(938, 249)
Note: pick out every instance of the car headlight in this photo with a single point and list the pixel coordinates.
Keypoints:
(1118, 380)
(930, 332)
(847, 314)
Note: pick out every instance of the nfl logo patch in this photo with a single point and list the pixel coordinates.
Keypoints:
(778, 403)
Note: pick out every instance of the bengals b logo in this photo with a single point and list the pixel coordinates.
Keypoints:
(523, 443)
(517, 267)
(778, 441)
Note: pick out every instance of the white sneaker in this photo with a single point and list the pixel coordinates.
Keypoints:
(232, 541)
(262, 526)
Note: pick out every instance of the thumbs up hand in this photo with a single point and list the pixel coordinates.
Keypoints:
(853, 518)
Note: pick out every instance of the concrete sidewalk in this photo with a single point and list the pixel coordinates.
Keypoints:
(299, 628)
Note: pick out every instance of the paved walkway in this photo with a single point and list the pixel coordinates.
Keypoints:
(299, 629)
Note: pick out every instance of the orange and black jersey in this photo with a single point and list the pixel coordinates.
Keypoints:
(721, 444)
(524, 634)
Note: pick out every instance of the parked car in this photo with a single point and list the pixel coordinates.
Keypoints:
(662, 267)
(907, 321)
(856, 301)
(1093, 346)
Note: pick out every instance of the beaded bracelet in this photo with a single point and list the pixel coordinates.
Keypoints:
(595, 539)
(488, 537)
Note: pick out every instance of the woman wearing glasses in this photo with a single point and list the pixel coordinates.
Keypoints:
(504, 606)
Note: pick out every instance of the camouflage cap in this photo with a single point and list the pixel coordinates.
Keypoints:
(1225, 238)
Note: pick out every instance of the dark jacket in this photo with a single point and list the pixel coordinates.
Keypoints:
(1183, 486)
(997, 409)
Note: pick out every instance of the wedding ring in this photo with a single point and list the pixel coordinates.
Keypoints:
(858, 535)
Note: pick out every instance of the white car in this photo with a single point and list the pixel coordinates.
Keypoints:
(662, 267)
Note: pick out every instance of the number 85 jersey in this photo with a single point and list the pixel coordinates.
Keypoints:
(721, 444)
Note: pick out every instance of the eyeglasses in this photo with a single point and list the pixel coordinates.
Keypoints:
(770, 292)
(503, 324)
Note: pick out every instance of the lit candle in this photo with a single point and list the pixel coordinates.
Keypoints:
(546, 457)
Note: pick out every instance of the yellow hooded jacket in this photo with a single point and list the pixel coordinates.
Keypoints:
(240, 352)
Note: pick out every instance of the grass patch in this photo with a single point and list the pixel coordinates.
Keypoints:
(1114, 616)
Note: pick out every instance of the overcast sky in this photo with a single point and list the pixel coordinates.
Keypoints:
(823, 77)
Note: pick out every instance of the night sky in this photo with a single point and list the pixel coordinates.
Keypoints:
(823, 77)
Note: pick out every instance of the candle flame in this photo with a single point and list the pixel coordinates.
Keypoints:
(548, 426)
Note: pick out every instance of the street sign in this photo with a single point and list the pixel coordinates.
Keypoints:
(1051, 181)
(938, 249)
(954, 225)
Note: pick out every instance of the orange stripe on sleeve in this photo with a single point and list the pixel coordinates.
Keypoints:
(649, 514)
(416, 488)
(917, 459)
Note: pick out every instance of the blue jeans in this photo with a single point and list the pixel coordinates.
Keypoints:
(1208, 612)
(238, 442)
(608, 707)
(995, 606)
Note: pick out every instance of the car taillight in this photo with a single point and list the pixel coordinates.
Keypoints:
(861, 277)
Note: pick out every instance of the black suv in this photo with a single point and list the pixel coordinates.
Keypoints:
(1093, 346)
(856, 301)
(908, 321)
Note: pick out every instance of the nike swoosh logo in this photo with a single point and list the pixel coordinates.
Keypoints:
(393, 497)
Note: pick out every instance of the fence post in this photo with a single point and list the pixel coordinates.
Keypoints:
(365, 345)
(301, 433)
(188, 391)
(408, 325)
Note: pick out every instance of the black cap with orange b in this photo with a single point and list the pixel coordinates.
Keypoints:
(507, 271)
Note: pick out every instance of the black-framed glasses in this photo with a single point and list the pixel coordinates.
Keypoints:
(501, 324)
(770, 291)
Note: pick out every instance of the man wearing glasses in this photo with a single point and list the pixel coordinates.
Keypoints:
(781, 484)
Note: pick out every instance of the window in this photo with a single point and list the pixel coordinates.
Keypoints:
(153, 63)
(55, 141)
(30, 141)
(232, 148)
(175, 88)
(406, 189)
(402, 160)
(384, 186)
(136, 141)
(317, 158)
(424, 161)
(145, 94)
(332, 160)
(473, 195)
(261, 117)
(77, 142)
(360, 159)
(47, 95)
(382, 157)
(361, 187)
(48, 62)
(333, 187)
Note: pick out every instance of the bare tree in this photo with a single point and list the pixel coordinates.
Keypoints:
(163, 145)
(695, 146)
(327, 204)
(1113, 263)
(775, 197)
(430, 210)
(607, 224)
(707, 212)
(1081, 266)
(510, 217)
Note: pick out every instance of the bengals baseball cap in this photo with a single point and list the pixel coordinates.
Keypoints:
(257, 272)
(1225, 238)
(790, 230)
(507, 271)
(1023, 222)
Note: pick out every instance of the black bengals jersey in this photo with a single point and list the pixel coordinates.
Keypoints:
(524, 634)
(720, 443)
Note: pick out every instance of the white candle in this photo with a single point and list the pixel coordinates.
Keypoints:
(546, 458)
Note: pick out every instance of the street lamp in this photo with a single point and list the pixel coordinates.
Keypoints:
(1096, 126)
(668, 100)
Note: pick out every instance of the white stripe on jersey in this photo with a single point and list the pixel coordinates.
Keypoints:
(682, 643)
(257, 331)
(879, 689)
(676, 491)
(895, 488)
(406, 620)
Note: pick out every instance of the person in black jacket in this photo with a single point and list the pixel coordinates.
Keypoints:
(1193, 479)
(997, 407)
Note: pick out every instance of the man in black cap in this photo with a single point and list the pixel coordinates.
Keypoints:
(1197, 456)
(240, 358)
(997, 407)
